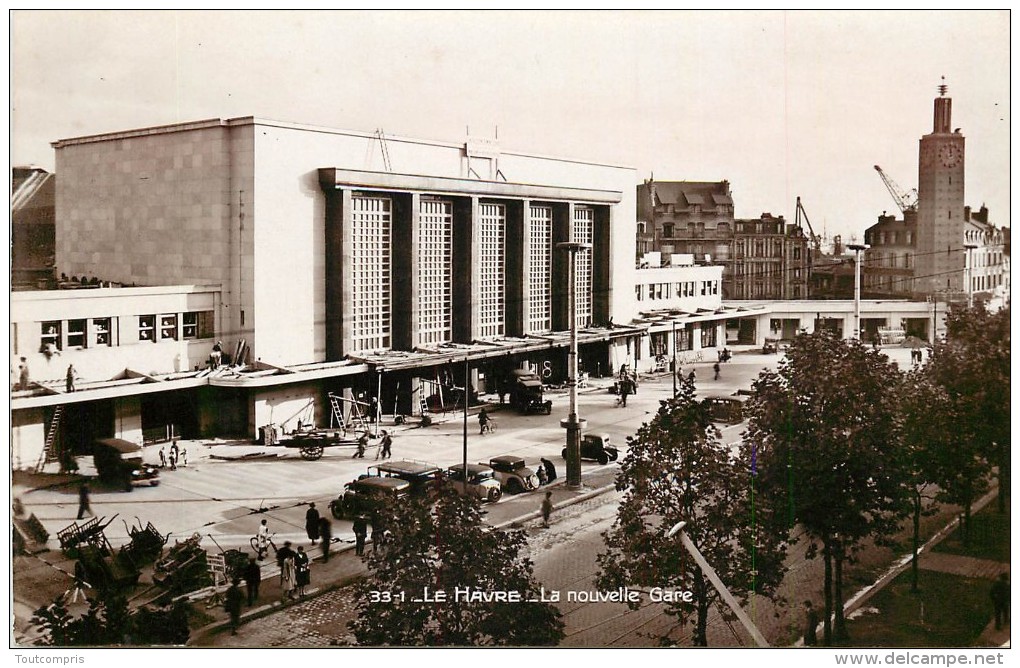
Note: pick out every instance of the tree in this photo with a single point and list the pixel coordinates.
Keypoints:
(108, 621)
(926, 439)
(825, 424)
(677, 470)
(427, 586)
(972, 364)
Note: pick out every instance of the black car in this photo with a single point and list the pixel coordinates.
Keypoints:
(526, 393)
(368, 494)
(119, 462)
(597, 447)
(421, 475)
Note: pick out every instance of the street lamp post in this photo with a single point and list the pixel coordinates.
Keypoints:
(572, 424)
(857, 248)
(675, 371)
(967, 269)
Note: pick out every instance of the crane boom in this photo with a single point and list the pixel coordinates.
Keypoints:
(906, 201)
(816, 241)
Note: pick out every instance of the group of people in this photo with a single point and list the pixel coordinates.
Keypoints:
(177, 455)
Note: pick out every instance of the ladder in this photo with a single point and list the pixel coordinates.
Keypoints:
(49, 453)
(385, 151)
(356, 420)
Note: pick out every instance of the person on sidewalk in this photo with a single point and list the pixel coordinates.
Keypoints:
(360, 534)
(326, 534)
(232, 604)
(252, 580)
(1000, 600)
(483, 421)
(811, 625)
(262, 539)
(362, 444)
(312, 523)
(715, 367)
(387, 445)
(288, 577)
(284, 553)
(302, 570)
(84, 504)
(550, 469)
(543, 477)
(547, 507)
(162, 458)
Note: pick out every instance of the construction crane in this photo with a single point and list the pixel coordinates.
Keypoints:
(816, 241)
(905, 200)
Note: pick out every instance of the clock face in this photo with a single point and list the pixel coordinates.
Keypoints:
(950, 155)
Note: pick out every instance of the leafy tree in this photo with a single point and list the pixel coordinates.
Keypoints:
(448, 549)
(825, 424)
(108, 621)
(972, 364)
(927, 436)
(677, 470)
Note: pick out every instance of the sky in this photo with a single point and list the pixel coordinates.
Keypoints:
(779, 103)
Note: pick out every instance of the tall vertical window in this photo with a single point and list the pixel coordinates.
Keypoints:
(492, 294)
(435, 271)
(540, 270)
(50, 338)
(76, 334)
(147, 328)
(371, 252)
(708, 335)
(584, 232)
(102, 329)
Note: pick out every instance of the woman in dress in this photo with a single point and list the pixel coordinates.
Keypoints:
(302, 571)
(288, 577)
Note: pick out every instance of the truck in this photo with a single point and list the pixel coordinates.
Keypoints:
(119, 462)
(526, 393)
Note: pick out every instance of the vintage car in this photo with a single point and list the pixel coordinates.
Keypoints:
(526, 393)
(119, 462)
(513, 474)
(421, 475)
(368, 494)
(481, 481)
(596, 447)
(725, 409)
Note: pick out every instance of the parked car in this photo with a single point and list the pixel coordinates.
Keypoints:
(725, 409)
(119, 462)
(421, 475)
(367, 494)
(481, 481)
(526, 393)
(513, 474)
(597, 447)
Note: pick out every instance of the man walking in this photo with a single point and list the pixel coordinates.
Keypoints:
(71, 376)
(232, 604)
(312, 523)
(326, 534)
(387, 444)
(715, 367)
(84, 505)
(360, 534)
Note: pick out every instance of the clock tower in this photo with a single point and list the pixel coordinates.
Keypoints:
(940, 259)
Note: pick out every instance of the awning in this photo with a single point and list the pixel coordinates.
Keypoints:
(120, 445)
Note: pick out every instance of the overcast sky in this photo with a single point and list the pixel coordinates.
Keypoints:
(779, 103)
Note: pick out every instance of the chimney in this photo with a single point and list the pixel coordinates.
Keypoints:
(966, 213)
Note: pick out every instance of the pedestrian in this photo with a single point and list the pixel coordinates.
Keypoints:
(326, 534)
(362, 444)
(691, 376)
(184, 456)
(217, 354)
(625, 389)
(550, 469)
(288, 577)
(1000, 600)
(84, 505)
(543, 477)
(71, 376)
(715, 367)
(373, 409)
(387, 444)
(232, 603)
(162, 458)
(284, 553)
(175, 452)
(23, 374)
(360, 534)
(378, 533)
(811, 626)
(173, 459)
(302, 570)
(547, 507)
(483, 421)
(312, 523)
(252, 579)
(262, 539)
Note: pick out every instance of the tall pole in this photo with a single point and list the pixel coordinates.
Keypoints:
(675, 370)
(467, 398)
(967, 270)
(857, 248)
(572, 424)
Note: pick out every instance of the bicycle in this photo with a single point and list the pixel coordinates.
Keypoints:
(259, 550)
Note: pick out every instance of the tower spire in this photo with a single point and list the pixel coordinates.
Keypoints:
(943, 110)
(943, 88)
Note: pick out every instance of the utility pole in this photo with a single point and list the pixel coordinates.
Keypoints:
(857, 248)
(572, 424)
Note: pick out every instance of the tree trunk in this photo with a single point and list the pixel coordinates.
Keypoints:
(917, 542)
(827, 621)
(839, 632)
